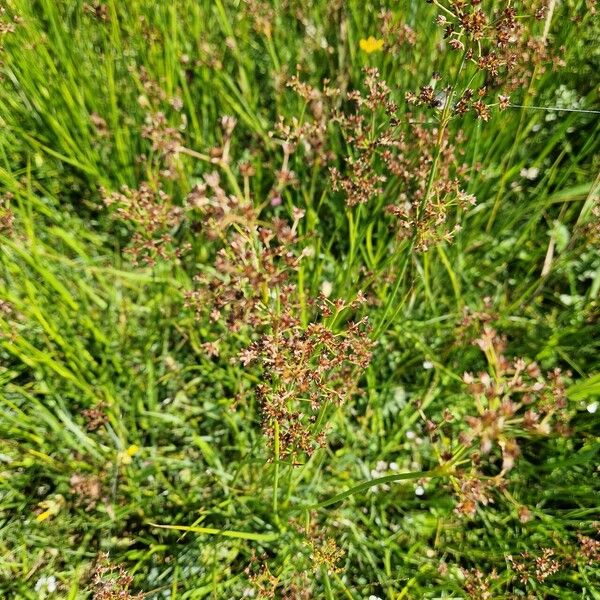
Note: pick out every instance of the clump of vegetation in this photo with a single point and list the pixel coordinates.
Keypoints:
(299, 299)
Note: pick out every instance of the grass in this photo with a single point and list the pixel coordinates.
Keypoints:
(179, 484)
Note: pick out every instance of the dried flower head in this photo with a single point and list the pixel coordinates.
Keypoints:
(477, 584)
(327, 554)
(535, 567)
(7, 216)
(112, 582)
(589, 548)
(97, 10)
(95, 416)
(514, 400)
(86, 489)
(420, 161)
(473, 491)
(304, 364)
(154, 219)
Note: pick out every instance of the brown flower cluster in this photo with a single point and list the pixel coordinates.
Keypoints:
(310, 134)
(474, 491)
(261, 15)
(513, 399)
(253, 260)
(95, 416)
(404, 158)
(7, 216)
(8, 23)
(249, 290)
(112, 582)
(477, 584)
(97, 10)
(266, 585)
(8, 320)
(154, 218)
(549, 561)
(589, 548)
(424, 205)
(100, 125)
(87, 490)
(361, 180)
(327, 553)
(154, 93)
(306, 368)
(501, 43)
(536, 567)
(166, 138)
(220, 154)
(398, 36)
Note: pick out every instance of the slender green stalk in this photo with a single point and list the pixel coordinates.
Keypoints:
(443, 124)
(326, 583)
(276, 470)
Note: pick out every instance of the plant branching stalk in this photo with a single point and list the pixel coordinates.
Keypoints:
(224, 166)
(517, 137)
(444, 120)
(276, 474)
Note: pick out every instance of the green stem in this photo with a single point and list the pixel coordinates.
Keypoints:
(517, 139)
(326, 583)
(444, 120)
(276, 475)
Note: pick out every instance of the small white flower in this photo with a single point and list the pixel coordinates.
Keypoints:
(419, 490)
(143, 101)
(592, 407)
(410, 435)
(309, 251)
(400, 395)
(427, 365)
(530, 173)
(46, 585)
(373, 597)
(326, 288)
(393, 466)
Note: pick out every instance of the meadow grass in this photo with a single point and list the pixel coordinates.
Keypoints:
(186, 379)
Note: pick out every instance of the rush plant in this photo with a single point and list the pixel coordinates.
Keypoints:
(299, 299)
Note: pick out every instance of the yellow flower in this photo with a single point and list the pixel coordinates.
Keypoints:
(125, 456)
(371, 45)
(51, 507)
(43, 516)
(132, 450)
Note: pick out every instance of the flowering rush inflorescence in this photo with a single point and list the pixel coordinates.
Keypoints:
(250, 291)
(513, 400)
(154, 218)
(394, 157)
